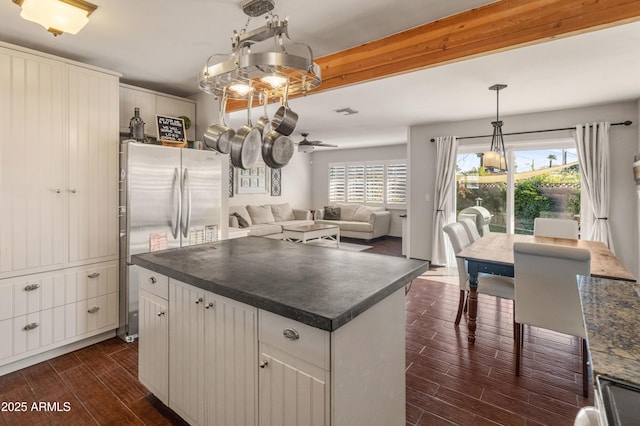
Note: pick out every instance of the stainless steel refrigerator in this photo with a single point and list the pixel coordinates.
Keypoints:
(169, 197)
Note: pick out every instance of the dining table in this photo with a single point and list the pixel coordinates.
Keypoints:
(493, 254)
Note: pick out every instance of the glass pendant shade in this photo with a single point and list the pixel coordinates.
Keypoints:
(495, 159)
(57, 16)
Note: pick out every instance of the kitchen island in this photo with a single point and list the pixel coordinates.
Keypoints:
(610, 310)
(264, 331)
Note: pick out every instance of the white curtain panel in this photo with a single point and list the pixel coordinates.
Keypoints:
(592, 142)
(444, 200)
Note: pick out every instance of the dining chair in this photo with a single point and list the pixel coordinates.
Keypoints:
(557, 228)
(470, 226)
(493, 285)
(546, 293)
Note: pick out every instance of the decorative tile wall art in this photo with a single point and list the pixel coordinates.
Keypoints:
(231, 180)
(276, 182)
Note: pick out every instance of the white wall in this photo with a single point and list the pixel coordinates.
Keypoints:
(320, 176)
(623, 217)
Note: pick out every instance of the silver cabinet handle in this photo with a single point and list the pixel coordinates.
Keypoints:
(291, 333)
(161, 313)
(198, 300)
(58, 191)
(153, 280)
(208, 305)
(30, 326)
(31, 287)
(73, 191)
(263, 364)
(94, 275)
(94, 310)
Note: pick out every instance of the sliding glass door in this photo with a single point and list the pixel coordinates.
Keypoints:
(542, 180)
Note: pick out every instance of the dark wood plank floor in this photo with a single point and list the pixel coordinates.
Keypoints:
(448, 380)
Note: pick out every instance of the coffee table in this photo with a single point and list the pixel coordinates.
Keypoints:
(317, 231)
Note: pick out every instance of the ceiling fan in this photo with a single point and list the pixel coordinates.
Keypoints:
(307, 146)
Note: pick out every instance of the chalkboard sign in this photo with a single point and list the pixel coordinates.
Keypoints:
(171, 129)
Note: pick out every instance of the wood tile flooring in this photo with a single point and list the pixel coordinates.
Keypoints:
(448, 380)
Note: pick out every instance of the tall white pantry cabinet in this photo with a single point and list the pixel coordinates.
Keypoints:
(58, 205)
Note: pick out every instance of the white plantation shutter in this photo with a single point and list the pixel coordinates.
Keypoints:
(355, 183)
(397, 183)
(337, 182)
(374, 183)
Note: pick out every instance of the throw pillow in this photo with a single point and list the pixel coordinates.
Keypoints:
(347, 210)
(260, 214)
(282, 212)
(362, 214)
(331, 213)
(243, 223)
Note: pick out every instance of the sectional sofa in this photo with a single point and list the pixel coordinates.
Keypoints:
(357, 220)
(267, 220)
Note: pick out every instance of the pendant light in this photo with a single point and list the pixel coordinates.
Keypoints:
(252, 68)
(495, 159)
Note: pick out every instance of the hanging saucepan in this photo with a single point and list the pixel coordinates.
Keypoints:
(285, 120)
(263, 124)
(277, 149)
(218, 136)
(245, 145)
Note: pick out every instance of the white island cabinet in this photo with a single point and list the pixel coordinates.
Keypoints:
(234, 364)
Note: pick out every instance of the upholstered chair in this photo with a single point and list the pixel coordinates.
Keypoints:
(493, 285)
(546, 293)
(557, 228)
(470, 227)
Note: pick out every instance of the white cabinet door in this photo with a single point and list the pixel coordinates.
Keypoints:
(231, 362)
(176, 108)
(153, 347)
(212, 357)
(92, 184)
(32, 161)
(186, 352)
(292, 391)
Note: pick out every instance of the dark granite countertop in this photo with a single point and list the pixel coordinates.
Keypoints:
(611, 311)
(321, 287)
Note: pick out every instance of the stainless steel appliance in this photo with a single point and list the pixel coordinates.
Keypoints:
(169, 198)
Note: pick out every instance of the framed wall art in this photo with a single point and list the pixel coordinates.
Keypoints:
(254, 180)
(276, 182)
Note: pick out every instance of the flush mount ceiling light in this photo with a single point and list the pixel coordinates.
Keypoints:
(57, 16)
(495, 159)
(251, 67)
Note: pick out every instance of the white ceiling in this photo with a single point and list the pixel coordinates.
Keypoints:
(162, 45)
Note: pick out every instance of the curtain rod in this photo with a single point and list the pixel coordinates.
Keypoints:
(622, 123)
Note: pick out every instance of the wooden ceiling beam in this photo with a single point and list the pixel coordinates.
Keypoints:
(496, 27)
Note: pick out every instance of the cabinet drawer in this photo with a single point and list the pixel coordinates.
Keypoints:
(298, 339)
(97, 313)
(154, 283)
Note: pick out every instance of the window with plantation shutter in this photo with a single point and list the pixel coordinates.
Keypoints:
(355, 183)
(375, 182)
(337, 182)
(397, 183)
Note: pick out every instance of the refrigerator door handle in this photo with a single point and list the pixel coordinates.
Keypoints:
(186, 192)
(177, 199)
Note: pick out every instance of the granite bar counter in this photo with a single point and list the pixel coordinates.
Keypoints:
(321, 287)
(611, 311)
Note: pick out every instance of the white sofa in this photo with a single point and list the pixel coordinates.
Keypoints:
(359, 221)
(267, 220)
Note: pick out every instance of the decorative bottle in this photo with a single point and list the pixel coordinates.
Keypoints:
(136, 126)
